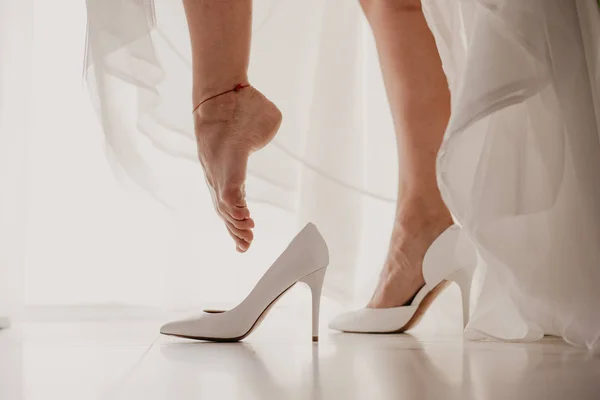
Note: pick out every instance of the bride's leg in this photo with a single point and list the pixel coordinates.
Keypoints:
(420, 100)
(231, 126)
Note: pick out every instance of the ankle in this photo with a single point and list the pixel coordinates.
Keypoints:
(245, 113)
(220, 109)
(426, 205)
(223, 109)
(202, 92)
(420, 223)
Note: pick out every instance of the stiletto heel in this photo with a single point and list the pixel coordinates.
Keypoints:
(315, 283)
(463, 280)
(305, 260)
(448, 259)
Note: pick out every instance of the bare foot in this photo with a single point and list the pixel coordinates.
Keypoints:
(415, 228)
(229, 128)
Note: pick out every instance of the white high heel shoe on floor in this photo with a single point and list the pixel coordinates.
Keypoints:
(444, 262)
(305, 260)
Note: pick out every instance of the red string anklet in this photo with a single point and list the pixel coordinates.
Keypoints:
(237, 88)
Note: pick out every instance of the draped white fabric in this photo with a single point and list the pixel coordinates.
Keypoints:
(519, 167)
(520, 164)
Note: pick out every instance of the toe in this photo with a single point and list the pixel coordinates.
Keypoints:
(239, 213)
(243, 224)
(242, 246)
(240, 243)
(244, 234)
(233, 202)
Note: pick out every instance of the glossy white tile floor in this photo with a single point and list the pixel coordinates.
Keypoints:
(128, 360)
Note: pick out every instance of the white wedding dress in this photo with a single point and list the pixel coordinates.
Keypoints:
(519, 167)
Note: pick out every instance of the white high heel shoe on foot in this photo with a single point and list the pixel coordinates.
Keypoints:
(444, 262)
(305, 260)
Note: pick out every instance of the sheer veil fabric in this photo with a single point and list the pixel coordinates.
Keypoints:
(520, 162)
(519, 167)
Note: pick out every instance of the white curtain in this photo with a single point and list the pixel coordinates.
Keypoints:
(519, 166)
(149, 240)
